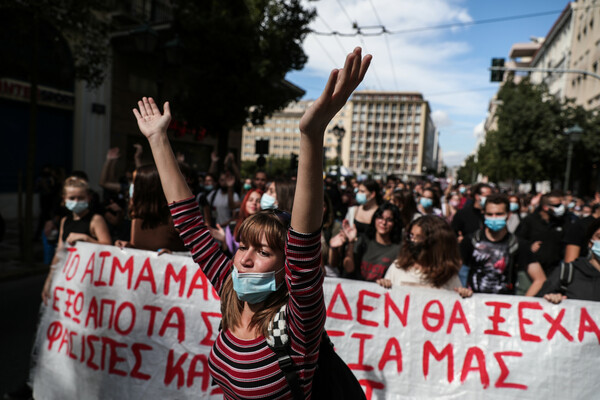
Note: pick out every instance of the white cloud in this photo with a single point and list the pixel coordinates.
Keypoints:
(441, 119)
(454, 158)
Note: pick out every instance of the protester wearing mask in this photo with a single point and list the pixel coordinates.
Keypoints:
(575, 240)
(368, 198)
(514, 218)
(450, 206)
(429, 203)
(545, 229)
(81, 225)
(429, 257)
(495, 256)
(279, 195)
(584, 273)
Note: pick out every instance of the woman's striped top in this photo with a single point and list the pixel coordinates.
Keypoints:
(248, 369)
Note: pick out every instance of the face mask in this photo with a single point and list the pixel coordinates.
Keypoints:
(361, 198)
(355, 190)
(572, 204)
(558, 211)
(343, 187)
(514, 207)
(247, 186)
(208, 188)
(585, 215)
(495, 224)
(254, 287)
(131, 191)
(267, 202)
(415, 248)
(596, 249)
(482, 201)
(76, 206)
(454, 203)
(426, 202)
(462, 190)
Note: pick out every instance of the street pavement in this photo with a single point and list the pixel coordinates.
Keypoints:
(20, 288)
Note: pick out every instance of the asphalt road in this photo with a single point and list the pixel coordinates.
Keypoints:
(19, 308)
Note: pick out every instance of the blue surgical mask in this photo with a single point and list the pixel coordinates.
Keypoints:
(596, 249)
(267, 202)
(361, 198)
(247, 186)
(254, 287)
(131, 191)
(572, 204)
(482, 200)
(208, 188)
(76, 206)
(495, 224)
(514, 207)
(462, 190)
(355, 190)
(426, 202)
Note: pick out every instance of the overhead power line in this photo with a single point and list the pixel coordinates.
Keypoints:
(387, 44)
(383, 30)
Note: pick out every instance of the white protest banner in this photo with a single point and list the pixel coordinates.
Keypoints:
(128, 324)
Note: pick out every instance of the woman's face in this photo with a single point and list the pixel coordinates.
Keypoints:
(363, 189)
(253, 203)
(259, 259)
(416, 234)
(595, 237)
(271, 190)
(75, 194)
(384, 223)
(209, 181)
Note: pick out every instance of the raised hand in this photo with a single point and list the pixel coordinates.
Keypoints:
(150, 121)
(339, 87)
(338, 240)
(349, 230)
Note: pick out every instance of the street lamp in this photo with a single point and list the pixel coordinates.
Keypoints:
(574, 134)
(339, 133)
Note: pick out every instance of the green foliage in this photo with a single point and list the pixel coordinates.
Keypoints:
(275, 166)
(467, 173)
(237, 55)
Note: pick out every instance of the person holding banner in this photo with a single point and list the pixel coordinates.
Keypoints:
(429, 257)
(274, 265)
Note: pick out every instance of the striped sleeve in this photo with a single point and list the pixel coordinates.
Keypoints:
(195, 235)
(306, 308)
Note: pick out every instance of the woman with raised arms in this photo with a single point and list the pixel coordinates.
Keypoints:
(276, 263)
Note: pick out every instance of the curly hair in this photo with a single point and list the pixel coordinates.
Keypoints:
(438, 257)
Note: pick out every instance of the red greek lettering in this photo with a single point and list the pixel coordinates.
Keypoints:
(137, 349)
(496, 318)
(338, 293)
(113, 357)
(369, 386)
(204, 373)
(99, 281)
(438, 317)
(69, 303)
(390, 305)
(504, 372)
(208, 340)
(153, 310)
(70, 252)
(360, 366)
(475, 353)
(53, 333)
(122, 307)
(556, 326)
(126, 269)
(90, 362)
(146, 275)
(587, 324)
(78, 306)
(92, 313)
(458, 317)
(203, 285)
(362, 307)
(73, 266)
(525, 336)
(178, 324)
(177, 277)
(430, 350)
(392, 344)
(111, 303)
(55, 298)
(175, 369)
(89, 269)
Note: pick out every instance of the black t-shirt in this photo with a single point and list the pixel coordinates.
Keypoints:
(489, 263)
(373, 259)
(575, 234)
(467, 220)
(585, 284)
(551, 233)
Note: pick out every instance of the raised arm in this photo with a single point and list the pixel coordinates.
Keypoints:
(154, 126)
(309, 187)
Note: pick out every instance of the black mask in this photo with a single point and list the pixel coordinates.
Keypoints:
(415, 248)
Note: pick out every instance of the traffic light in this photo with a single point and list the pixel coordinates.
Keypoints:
(497, 75)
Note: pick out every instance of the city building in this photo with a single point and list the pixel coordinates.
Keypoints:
(391, 133)
(585, 54)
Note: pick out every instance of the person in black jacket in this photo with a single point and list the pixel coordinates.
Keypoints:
(584, 282)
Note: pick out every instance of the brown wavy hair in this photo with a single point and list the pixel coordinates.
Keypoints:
(149, 203)
(439, 256)
(250, 233)
(243, 214)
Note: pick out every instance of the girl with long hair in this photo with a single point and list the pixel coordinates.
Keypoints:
(268, 270)
(429, 256)
(368, 198)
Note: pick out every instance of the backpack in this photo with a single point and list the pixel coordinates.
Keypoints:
(566, 276)
(513, 248)
(333, 379)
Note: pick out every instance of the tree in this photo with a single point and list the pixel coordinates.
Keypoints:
(237, 55)
(467, 173)
(33, 26)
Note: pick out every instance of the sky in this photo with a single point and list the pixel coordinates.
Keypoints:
(448, 66)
